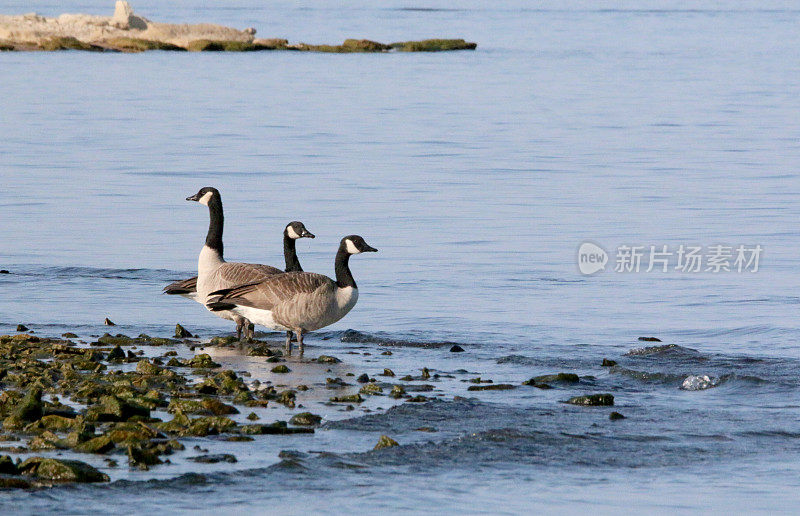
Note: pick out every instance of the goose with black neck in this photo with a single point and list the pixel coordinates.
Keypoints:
(297, 301)
(213, 272)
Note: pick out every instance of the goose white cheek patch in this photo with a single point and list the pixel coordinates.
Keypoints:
(291, 232)
(205, 198)
(351, 247)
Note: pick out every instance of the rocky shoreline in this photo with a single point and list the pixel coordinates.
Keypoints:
(137, 400)
(128, 32)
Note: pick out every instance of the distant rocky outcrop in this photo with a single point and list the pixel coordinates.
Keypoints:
(126, 31)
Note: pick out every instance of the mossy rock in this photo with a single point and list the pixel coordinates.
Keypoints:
(433, 45)
(371, 389)
(7, 47)
(364, 45)
(112, 408)
(543, 380)
(60, 470)
(100, 444)
(115, 340)
(306, 419)
(7, 465)
(140, 45)
(68, 43)
(327, 359)
(397, 392)
(223, 341)
(203, 361)
(281, 369)
(352, 398)
(492, 387)
(209, 45)
(177, 425)
(131, 433)
(51, 422)
(145, 367)
(208, 425)
(116, 354)
(386, 442)
(276, 428)
(208, 406)
(593, 400)
(142, 458)
(180, 331)
(30, 407)
(46, 441)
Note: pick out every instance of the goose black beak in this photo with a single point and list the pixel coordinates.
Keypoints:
(307, 234)
(195, 197)
(369, 249)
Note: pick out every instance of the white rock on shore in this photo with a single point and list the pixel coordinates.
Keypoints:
(124, 23)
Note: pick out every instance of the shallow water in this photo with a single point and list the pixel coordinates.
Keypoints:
(477, 175)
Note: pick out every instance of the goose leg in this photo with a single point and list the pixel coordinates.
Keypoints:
(239, 326)
(251, 329)
(300, 341)
(288, 343)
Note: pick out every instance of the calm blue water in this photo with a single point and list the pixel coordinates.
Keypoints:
(477, 175)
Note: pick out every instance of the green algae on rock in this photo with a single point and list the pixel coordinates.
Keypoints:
(60, 470)
(306, 419)
(386, 442)
(123, 44)
(433, 45)
(492, 387)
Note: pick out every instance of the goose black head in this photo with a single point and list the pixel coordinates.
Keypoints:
(354, 244)
(205, 195)
(295, 230)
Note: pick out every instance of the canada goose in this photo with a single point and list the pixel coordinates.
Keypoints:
(296, 301)
(294, 230)
(215, 273)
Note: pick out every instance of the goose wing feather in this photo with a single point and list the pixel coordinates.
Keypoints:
(182, 287)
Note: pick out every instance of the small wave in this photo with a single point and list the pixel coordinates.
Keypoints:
(671, 349)
(95, 272)
(359, 337)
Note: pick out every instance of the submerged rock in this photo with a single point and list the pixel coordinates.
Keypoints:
(214, 459)
(22, 327)
(552, 378)
(492, 387)
(352, 398)
(608, 363)
(649, 339)
(593, 400)
(615, 416)
(108, 322)
(456, 349)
